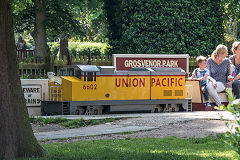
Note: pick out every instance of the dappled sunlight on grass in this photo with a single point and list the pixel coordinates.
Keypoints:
(145, 148)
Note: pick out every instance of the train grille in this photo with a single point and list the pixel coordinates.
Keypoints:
(167, 92)
(178, 92)
(55, 93)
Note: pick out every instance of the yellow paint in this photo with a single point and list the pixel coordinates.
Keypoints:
(168, 87)
(122, 88)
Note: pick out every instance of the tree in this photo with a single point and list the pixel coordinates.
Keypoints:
(54, 17)
(231, 17)
(17, 139)
(39, 32)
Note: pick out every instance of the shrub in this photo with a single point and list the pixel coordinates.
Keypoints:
(233, 135)
(165, 27)
(82, 48)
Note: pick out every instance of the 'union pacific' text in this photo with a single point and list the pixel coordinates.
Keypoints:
(167, 82)
(130, 82)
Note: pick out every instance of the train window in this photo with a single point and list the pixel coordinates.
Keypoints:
(90, 76)
(85, 75)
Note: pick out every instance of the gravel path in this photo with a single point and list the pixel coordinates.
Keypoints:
(184, 125)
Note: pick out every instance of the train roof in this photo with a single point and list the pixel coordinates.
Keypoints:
(110, 70)
(140, 69)
(166, 69)
(88, 68)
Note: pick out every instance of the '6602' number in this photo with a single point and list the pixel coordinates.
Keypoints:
(89, 86)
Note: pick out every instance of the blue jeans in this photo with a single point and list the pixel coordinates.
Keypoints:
(205, 93)
(236, 88)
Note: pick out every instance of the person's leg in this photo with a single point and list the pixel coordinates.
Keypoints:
(236, 88)
(205, 94)
(220, 87)
(214, 92)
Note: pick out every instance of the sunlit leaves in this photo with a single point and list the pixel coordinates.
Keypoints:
(233, 134)
(63, 17)
(19, 5)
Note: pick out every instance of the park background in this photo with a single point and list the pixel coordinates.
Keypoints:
(58, 33)
(148, 27)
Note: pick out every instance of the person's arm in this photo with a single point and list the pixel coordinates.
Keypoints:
(237, 77)
(193, 76)
(229, 74)
(203, 78)
(209, 67)
(213, 82)
(211, 79)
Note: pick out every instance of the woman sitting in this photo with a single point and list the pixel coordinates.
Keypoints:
(219, 69)
(235, 60)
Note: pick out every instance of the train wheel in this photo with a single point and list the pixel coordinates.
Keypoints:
(175, 108)
(157, 109)
(94, 110)
(171, 108)
(80, 110)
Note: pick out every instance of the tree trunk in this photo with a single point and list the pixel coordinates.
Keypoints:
(39, 33)
(236, 31)
(63, 46)
(16, 135)
(64, 51)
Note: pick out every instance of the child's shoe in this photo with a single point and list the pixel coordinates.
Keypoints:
(208, 104)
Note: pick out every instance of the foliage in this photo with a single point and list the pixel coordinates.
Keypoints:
(166, 27)
(81, 48)
(142, 148)
(71, 123)
(19, 5)
(54, 47)
(62, 19)
(233, 135)
(72, 17)
(231, 20)
(92, 17)
(231, 9)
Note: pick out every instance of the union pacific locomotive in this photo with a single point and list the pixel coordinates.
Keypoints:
(90, 89)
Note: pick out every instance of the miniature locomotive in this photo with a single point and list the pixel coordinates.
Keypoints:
(90, 89)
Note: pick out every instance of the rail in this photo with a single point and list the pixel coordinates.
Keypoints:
(21, 54)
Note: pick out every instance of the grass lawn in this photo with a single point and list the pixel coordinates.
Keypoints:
(169, 148)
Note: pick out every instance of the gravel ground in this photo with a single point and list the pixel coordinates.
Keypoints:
(197, 128)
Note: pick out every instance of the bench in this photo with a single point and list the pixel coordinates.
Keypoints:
(194, 92)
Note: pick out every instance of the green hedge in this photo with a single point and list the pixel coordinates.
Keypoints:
(81, 48)
(164, 27)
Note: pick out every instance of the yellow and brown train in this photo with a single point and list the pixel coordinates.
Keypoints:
(90, 89)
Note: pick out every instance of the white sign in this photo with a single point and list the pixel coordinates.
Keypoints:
(32, 94)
